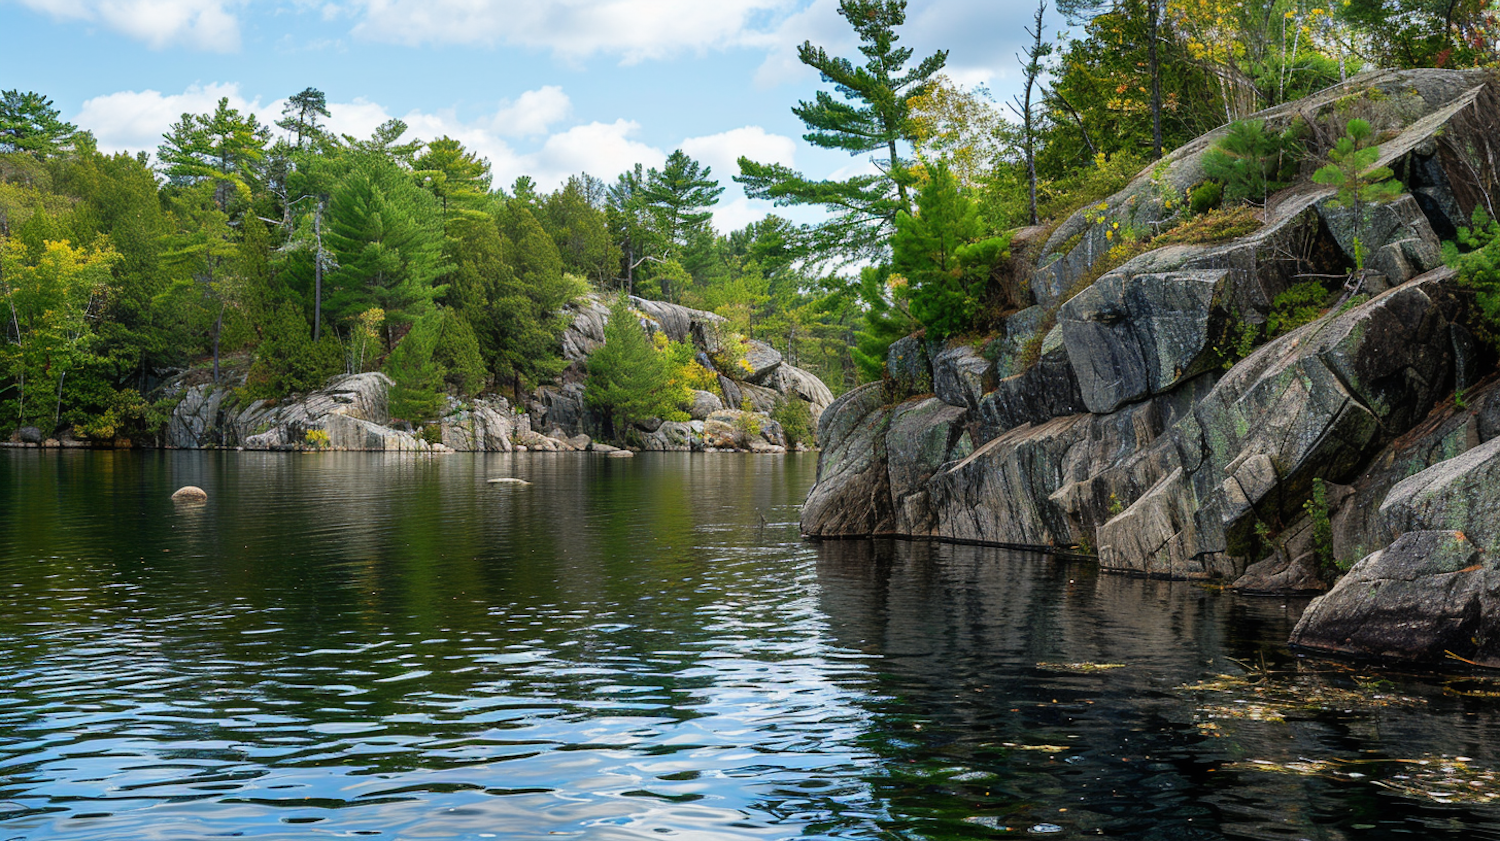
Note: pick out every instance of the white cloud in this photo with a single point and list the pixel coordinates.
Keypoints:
(722, 151)
(601, 149)
(574, 29)
(132, 121)
(533, 112)
(199, 24)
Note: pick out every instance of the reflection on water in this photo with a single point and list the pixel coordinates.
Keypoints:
(370, 645)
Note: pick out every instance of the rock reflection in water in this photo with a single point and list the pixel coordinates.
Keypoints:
(975, 733)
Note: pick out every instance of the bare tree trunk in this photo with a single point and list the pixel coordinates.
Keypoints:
(1153, 10)
(318, 272)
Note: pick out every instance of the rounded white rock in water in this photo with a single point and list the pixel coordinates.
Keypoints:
(507, 481)
(190, 493)
(621, 454)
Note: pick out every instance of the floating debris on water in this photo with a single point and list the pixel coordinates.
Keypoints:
(1261, 694)
(1045, 829)
(1085, 666)
(506, 481)
(1442, 779)
(1041, 748)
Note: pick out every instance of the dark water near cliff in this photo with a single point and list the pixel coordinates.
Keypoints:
(357, 645)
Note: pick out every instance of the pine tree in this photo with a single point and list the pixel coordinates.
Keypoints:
(679, 197)
(628, 380)
(299, 116)
(874, 116)
(387, 237)
(29, 124)
(944, 293)
(225, 147)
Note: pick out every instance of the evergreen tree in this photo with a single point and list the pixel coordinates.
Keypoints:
(679, 198)
(574, 216)
(459, 179)
(944, 292)
(29, 124)
(387, 237)
(225, 147)
(628, 379)
(299, 116)
(875, 117)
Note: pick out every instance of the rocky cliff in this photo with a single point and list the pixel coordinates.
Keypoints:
(351, 413)
(1114, 417)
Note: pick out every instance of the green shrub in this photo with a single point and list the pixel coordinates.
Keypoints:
(457, 350)
(288, 361)
(1475, 253)
(1250, 162)
(1301, 304)
(795, 418)
(418, 391)
(1322, 526)
(317, 439)
(432, 433)
(1205, 197)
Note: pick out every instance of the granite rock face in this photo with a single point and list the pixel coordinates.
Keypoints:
(1114, 415)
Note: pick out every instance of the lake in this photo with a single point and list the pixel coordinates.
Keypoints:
(367, 645)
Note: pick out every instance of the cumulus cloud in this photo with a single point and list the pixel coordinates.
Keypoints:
(722, 151)
(532, 113)
(198, 24)
(132, 121)
(574, 29)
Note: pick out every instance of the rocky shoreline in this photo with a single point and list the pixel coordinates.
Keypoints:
(352, 411)
(1367, 440)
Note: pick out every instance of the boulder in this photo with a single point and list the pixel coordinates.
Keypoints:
(1315, 403)
(1428, 593)
(672, 436)
(793, 382)
(761, 360)
(190, 493)
(910, 369)
(1131, 337)
(852, 496)
(195, 418)
(485, 426)
(29, 435)
(705, 403)
(1461, 494)
(1048, 389)
(959, 373)
(923, 437)
(1399, 238)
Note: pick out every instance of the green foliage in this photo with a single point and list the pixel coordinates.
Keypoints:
(929, 250)
(1322, 530)
(457, 351)
(53, 293)
(1205, 197)
(224, 148)
(1475, 253)
(1351, 169)
(795, 418)
(1250, 162)
(287, 361)
(873, 116)
(30, 125)
(628, 379)
(432, 433)
(886, 319)
(1240, 340)
(747, 423)
(1302, 303)
(417, 394)
(386, 235)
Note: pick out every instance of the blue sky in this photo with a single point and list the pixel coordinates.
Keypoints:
(539, 87)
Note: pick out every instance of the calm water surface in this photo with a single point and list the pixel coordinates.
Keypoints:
(351, 645)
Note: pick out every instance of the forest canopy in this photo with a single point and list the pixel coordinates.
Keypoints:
(282, 254)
